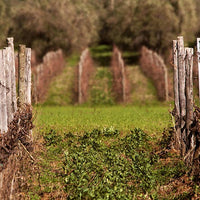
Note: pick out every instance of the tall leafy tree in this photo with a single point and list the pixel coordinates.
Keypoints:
(5, 21)
(52, 24)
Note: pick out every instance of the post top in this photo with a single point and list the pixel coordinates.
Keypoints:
(180, 37)
(189, 50)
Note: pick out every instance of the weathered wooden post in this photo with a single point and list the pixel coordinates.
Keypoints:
(182, 97)
(7, 57)
(176, 86)
(21, 81)
(24, 82)
(198, 56)
(80, 71)
(28, 76)
(81, 93)
(122, 68)
(187, 121)
(189, 88)
(13, 79)
(176, 95)
(1, 90)
(3, 105)
(112, 4)
(120, 79)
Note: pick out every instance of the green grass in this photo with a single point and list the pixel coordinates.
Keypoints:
(60, 90)
(101, 88)
(73, 59)
(151, 119)
(94, 133)
(90, 152)
(142, 89)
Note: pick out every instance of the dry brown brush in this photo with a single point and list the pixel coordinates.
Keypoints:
(121, 85)
(52, 65)
(83, 72)
(15, 147)
(154, 68)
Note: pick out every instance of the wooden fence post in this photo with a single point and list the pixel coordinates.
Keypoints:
(184, 114)
(24, 81)
(1, 90)
(80, 71)
(189, 89)
(121, 66)
(176, 90)
(198, 56)
(80, 74)
(7, 58)
(21, 81)
(3, 105)
(176, 95)
(182, 97)
(28, 76)
(13, 79)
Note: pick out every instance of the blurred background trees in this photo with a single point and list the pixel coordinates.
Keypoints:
(74, 24)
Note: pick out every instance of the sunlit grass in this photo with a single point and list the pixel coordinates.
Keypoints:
(77, 119)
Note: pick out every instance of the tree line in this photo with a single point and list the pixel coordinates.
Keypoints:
(74, 24)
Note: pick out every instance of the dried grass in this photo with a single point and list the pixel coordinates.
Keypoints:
(15, 157)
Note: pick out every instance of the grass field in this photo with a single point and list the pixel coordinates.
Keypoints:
(79, 119)
(76, 145)
(104, 150)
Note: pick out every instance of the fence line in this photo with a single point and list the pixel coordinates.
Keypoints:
(52, 64)
(84, 70)
(186, 137)
(8, 92)
(13, 74)
(120, 81)
(3, 90)
(154, 68)
(183, 92)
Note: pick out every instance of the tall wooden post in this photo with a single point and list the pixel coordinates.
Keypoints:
(112, 4)
(198, 56)
(189, 90)
(1, 91)
(182, 97)
(176, 95)
(7, 57)
(176, 90)
(122, 68)
(13, 79)
(28, 76)
(80, 74)
(3, 105)
(21, 81)
(183, 88)
(80, 71)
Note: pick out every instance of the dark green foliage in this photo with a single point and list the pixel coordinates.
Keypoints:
(102, 54)
(101, 90)
(52, 138)
(74, 24)
(103, 165)
(166, 138)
